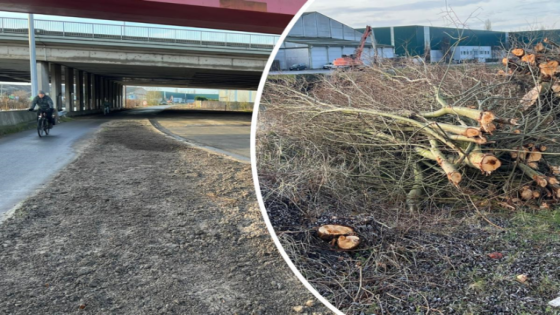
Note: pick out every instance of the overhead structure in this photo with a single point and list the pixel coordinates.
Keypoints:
(260, 16)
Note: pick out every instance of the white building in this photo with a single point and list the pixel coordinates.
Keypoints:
(471, 53)
(317, 39)
(242, 96)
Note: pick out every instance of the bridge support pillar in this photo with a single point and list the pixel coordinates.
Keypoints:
(93, 91)
(87, 91)
(113, 98)
(110, 94)
(56, 94)
(103, 90)
(43, 77)
(69, 88)
(96, 88)
(100, 91)
(121, 96)
(80, 90)
(115, 94)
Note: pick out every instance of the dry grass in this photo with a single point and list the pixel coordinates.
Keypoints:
(325, 140)
(321, 160)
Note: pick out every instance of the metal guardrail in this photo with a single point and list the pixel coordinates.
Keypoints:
(137, 33)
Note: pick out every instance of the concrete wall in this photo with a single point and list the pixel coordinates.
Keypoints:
(86, 112)
(16, 117)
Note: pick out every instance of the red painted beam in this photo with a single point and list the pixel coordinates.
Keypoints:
(261, 16)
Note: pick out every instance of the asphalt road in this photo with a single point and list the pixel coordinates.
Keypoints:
(222, 132)
(27, 161)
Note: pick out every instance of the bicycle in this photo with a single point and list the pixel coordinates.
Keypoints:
(43, 125)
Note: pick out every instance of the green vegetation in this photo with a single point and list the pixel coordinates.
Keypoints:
(6, 130)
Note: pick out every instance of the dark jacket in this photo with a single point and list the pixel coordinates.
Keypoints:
(43, 103)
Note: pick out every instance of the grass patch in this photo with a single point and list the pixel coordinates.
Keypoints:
(539, 226)
(6, 130)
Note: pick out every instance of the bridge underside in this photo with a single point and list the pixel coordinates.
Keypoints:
(18, 71)
(260, 16)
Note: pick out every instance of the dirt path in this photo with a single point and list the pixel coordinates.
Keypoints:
(142, 224)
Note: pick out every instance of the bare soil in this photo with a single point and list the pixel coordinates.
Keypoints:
(437, 263)
(142, 224)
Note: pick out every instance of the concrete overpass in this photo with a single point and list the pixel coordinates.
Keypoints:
(261, 16)
(100, 61)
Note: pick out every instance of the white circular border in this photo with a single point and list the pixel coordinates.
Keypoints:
(254, 163)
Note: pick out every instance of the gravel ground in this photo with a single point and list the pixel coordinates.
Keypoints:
(142, 224)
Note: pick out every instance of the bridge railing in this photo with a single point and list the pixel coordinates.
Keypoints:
(219, 105)
(139, 33)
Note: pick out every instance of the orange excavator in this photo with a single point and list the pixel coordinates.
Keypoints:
(354, 60)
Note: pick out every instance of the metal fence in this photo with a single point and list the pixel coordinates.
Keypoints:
(137, 33)
(8, 104)
(217, 105)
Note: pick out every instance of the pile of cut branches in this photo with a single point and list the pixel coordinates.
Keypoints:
(419, 134)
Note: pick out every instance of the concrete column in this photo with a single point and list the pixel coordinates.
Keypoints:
(112, 94)
(80, 90)
(104, 91)
(108, 91)
(96, 91)
(43, 77)
(113, 98)
(108, 94)
(101, 92)
(87, 91)
(115, 94)
(93, 91)
(69, 88)
(56, 90)
(123, 96)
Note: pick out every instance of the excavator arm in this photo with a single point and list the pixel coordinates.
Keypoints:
(354, 60)
(365, 36)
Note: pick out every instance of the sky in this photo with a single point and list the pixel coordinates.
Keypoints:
(84, 20)
(504, 15)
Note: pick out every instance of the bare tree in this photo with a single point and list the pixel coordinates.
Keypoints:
(153, 97)
(488, 25)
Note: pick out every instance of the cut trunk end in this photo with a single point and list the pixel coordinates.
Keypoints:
(519, 52)
(330, 231)
(348, 242)
(487, 163)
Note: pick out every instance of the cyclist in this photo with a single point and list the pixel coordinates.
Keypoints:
(106, 106)
(46, 106)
